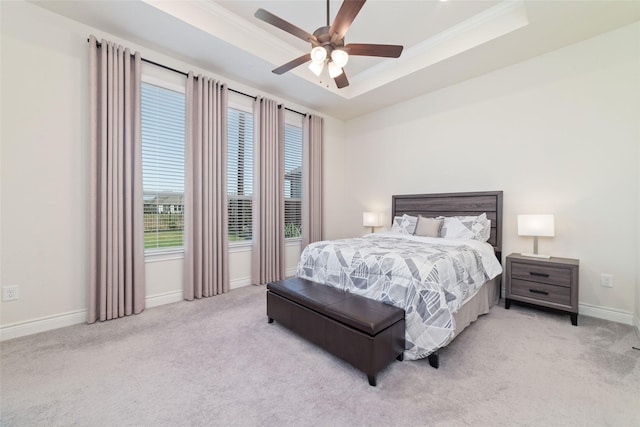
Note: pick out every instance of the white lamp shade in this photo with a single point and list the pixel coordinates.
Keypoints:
(340, 57)
(334, 70)
(318, 54)
(371, 219)
(316, 67)
(536, 225)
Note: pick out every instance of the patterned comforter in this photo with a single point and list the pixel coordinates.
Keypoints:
(430, 278)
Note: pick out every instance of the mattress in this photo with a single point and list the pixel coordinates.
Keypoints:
(431, 279)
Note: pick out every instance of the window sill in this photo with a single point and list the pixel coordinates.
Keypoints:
(247, 245)
(244, 246)
(157, 255)
(292, 241)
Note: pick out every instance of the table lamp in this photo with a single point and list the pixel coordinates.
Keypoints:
(536, 226)
(371, 219)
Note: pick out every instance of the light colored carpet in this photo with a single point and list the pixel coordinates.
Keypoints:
(218, 362)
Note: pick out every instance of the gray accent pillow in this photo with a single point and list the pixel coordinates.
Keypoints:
(428, 227)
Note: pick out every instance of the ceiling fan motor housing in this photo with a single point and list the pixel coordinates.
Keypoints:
(323, 39)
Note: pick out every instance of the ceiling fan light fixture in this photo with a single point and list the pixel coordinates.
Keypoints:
(318, 54)
(327, 43)
(334, 70)
(340, 57)
(316, 68)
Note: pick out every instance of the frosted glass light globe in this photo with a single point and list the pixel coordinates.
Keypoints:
(334, 70)
(318, 54)
(340, 57)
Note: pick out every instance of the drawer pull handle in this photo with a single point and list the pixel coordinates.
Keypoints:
(536, 291)
(533, 273)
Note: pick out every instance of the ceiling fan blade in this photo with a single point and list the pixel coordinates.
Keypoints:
(347, 13)
(364, 49)
(341, 80)
(293, 64)
(276, 21)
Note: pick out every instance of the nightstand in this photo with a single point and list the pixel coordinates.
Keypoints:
(544, 282)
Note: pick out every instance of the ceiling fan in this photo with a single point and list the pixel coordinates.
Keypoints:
(328, 43)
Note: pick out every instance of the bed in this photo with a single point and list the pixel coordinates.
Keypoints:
(443, 284)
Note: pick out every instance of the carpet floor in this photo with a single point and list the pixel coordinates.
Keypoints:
(218, 362)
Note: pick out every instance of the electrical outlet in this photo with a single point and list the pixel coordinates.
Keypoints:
(9, 293)
(606, 280)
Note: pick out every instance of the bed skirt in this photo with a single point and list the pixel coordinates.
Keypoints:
(486, 297)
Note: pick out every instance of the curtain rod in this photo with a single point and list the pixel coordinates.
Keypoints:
(166, 67)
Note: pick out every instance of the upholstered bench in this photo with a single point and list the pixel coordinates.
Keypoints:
(366, 333)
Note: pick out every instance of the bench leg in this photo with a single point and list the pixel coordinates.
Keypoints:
(434, 360)
(270, 320)
(372, 380)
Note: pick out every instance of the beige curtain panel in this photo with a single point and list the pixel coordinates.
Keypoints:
(312, 137)
(206, 269)
(116, 283)
(268, 257)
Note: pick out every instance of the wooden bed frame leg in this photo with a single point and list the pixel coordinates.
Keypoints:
(434, 360)
(270, 320)
(372, 380)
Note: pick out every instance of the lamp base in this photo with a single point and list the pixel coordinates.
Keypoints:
(536, 255)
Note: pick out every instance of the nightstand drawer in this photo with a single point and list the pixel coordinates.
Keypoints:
(541, 291)
(541, 273)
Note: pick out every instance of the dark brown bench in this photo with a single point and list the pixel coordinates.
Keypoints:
(366, 333)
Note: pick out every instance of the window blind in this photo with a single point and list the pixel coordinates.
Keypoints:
(240, 173)
(163, 138)
(292, 181)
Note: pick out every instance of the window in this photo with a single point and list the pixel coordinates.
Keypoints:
(163, 142)
(163, 138)
(292, 180)
(240, 173)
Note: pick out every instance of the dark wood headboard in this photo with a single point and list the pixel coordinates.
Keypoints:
(455, 204)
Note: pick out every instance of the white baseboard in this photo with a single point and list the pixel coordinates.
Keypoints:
(291, 272)
(246, 281)
(162, 299)
(239, 283)
(42, 324)
(606, 313)
(48, 323)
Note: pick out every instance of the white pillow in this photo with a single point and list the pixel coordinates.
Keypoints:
(467, 227)
(405, 224)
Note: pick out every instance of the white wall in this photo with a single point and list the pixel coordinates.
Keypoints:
(44, 173)
(558, 134)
